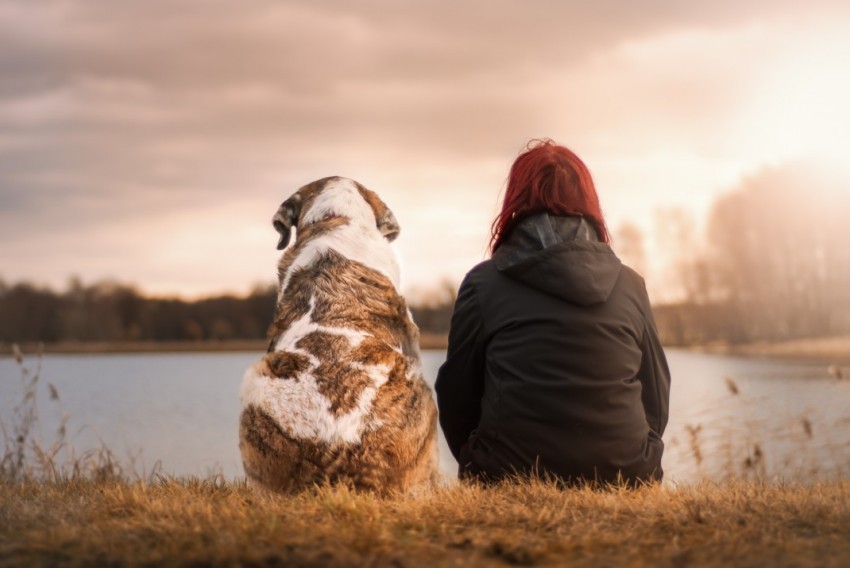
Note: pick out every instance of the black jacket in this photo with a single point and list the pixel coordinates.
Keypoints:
(554, 363)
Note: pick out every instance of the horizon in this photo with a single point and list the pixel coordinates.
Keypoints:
(158, 161)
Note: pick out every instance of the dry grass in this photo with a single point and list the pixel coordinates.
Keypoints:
(199, 523)
(27, 456)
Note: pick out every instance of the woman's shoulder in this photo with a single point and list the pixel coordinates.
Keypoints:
(632, 285)
(482, 268)
(632, 276)
(482, 275)
(480, 280)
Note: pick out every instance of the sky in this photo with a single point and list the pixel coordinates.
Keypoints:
(150, 142)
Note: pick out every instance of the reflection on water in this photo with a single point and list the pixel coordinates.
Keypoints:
(728, 415)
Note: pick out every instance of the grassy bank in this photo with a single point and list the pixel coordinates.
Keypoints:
(199, 523)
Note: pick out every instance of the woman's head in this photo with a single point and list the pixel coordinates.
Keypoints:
(548, 177)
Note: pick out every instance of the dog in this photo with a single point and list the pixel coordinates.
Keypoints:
(339, 396)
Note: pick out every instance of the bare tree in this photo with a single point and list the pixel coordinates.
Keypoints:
(688, 273)
(629, 242)
(779, 255)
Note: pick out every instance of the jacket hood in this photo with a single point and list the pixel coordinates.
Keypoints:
(561, 256)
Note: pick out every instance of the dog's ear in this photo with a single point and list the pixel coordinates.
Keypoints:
(286, 218)
(384, 218)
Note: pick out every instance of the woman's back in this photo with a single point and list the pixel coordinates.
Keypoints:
(554, 364)
(562, 324)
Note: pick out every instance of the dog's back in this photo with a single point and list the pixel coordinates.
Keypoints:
(339, 397)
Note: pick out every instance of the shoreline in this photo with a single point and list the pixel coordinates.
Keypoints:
(833, 349)
(427, 341)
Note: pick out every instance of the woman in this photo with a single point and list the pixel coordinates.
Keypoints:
(554, 365)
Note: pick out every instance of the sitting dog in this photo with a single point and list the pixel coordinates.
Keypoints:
(339, 396)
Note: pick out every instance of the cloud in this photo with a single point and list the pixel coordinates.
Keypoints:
(116, 115)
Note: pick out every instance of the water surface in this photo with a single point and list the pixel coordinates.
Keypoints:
(181, 410)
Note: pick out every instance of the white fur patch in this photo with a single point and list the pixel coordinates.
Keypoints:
(297, 405)
(340, 197)
(368, 247)
(301, 411)
(305, 325)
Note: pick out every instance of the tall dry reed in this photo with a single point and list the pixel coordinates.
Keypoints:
(27, 455)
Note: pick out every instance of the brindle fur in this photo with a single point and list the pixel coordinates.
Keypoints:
(280, 463)
(397, 455)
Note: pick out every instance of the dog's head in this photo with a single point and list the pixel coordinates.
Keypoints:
(333, 197)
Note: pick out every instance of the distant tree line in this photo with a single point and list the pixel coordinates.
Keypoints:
(109, 311)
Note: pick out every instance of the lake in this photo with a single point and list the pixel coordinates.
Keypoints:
(729, 415)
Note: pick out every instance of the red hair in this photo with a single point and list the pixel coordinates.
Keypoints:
(548, 177)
